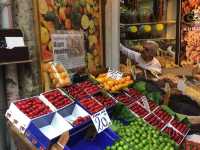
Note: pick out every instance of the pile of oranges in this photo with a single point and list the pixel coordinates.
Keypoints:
(113, 85)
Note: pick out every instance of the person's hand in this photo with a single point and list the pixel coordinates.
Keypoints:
(62, 141)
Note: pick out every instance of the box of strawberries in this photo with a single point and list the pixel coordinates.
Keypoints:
(22, 112)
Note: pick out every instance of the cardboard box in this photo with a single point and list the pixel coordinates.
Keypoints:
(44, 131)
(47, 101)
(72, 113)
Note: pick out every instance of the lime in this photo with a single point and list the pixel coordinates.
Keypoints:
(125, 147)
(133, 29)
(121, 143)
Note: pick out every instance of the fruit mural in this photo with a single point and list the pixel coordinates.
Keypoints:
(84, 15)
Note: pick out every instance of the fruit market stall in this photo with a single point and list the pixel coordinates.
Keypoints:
(86, 109)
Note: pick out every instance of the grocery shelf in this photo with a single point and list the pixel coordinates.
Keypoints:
(150, 23)
(162, 38)
(15, 62)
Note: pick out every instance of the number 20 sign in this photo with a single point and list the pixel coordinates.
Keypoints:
(101, 120)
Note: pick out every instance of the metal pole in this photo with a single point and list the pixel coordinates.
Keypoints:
(11, 75)
(2, 112)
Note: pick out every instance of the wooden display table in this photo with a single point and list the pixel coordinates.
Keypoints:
(23, 144)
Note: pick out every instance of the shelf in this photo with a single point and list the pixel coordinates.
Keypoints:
(150, 23)
(15, 62)
(149, 39)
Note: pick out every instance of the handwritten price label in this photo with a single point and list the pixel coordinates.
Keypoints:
(114, 74)
(101, 120)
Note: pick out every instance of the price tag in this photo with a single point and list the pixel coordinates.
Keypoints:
(101, 120)
(68, 49)
(145, 103)
(114, 74)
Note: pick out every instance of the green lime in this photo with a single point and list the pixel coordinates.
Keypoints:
(133, 29)
(119, 148)
(125, 147)
(121, 143)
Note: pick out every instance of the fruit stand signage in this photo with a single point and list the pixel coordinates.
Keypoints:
(114, 74)
(69, 15)
(190, 32)
(68, 49)
(101, 120)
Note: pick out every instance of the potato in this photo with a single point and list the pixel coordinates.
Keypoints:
(54, 75)
(63, 75)
(52, 70)
(60, 68)
(54, 81)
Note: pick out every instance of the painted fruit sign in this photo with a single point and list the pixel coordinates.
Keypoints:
(190, 39)
(84, 15)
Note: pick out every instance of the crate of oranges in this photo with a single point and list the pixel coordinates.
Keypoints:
(112, 84)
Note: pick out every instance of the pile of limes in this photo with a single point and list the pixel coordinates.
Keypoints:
(140, 136)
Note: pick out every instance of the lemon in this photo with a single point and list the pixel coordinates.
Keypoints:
(147, 28)
(159, 27)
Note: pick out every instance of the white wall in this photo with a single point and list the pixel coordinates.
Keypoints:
(112, 33)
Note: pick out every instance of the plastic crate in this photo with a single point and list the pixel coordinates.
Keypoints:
(100, 142)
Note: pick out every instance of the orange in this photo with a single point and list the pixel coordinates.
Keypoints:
(128, 78)
(110, 83)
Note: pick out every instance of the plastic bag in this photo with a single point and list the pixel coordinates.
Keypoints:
(58, 75)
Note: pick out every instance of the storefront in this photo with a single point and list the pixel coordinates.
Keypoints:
(100, 74)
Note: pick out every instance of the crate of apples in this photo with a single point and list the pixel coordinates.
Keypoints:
(113, 85)
(91, 105)
(57, 99)
(33, 107)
